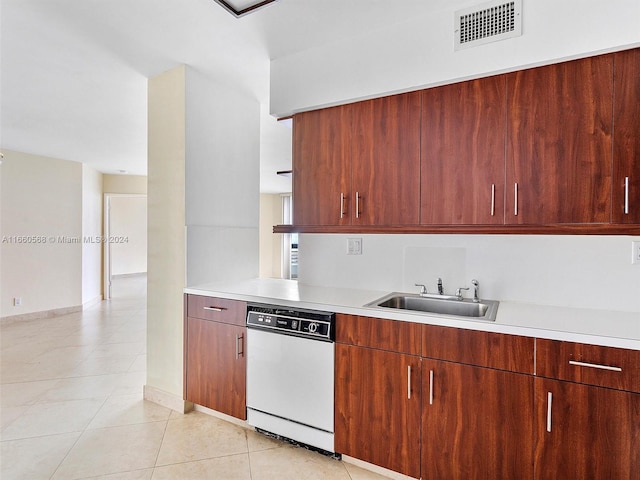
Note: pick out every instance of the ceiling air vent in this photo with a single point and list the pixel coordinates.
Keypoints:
(488, 22)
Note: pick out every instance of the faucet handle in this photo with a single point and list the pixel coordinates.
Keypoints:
(476, 290)
(423, 288)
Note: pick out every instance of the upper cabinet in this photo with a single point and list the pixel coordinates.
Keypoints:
(322, 166)
(358, 164)
(626, 137)
(553, 149)
(463, 136)
(559, 128)
(386, 161)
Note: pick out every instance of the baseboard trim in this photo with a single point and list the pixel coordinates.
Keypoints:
(56, 312)
(165, 399)
(375, 468)
(90, 303)
(222, 416)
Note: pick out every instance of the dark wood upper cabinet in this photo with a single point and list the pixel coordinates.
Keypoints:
(322, 166)
(559, 129)
(386, 161)
(463, 138)
(626, 137)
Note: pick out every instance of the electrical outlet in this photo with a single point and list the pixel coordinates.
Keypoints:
(17, 301)
(354, 246)
(635, 253)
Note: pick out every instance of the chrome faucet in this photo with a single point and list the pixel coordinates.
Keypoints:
(476, 290)
(440, 287)
(423, 288)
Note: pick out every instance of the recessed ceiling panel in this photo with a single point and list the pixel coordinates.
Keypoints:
(240, 8)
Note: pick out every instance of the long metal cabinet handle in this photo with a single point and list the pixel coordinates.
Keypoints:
(239, 351)
(357, 204)
(409, 382)
(341, 205)
(626, 195)
(549, 400)
(430, 387)
(214, 309)
(493, 199)
(595, 365)
(515, 199)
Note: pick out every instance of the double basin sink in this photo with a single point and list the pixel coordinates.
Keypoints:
(461, 308)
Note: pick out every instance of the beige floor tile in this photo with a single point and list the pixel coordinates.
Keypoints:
(53, 418)
(9, 414)
(139, 365)
(295, 464)
(24, 393)
(34, 458)
(234, 467)
(130, 383)
(257, 441)
(197, 436)
(123, 347)
(358, 473)
(104, 365)
(78, 388)
(112, 450)
(135, 475)
(128, 410)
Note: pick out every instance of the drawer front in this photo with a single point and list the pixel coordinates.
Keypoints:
(611, 367)
(392, 335)
(484, 349)
(222, 310)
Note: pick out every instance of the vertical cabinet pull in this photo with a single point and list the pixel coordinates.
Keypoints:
(515, 199)
(409, 382)
(357, 204)
(239, 346)
(549, 400)
(430, 387)
(341, 205)
(493, 199)
(626, 195)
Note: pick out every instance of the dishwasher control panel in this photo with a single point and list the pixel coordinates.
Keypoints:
(298, 322)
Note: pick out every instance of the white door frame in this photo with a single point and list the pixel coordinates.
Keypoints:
(106, 245)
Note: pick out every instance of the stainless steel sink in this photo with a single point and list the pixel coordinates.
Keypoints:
(483, 310)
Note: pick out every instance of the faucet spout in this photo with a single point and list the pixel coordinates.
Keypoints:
(440, 287)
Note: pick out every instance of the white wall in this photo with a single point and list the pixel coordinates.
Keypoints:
(128, 229)
(91, 228)
(124, 184)
(166, 241)
(419, 53)
(42, 201)
(576, 271)
(222, 181)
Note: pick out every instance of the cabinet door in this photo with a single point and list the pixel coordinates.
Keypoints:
(386, 161)
(377, 411)
(476, 422)
(586, 432)
(559, 121)
(322, 167)
(463, 136)
(626, 137)
(216, 366)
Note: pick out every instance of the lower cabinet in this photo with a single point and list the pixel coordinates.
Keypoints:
(586, 432)
(476, 422)
(377, 410)
(215, 375)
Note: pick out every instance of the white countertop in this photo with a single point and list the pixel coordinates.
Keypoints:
(599, 327)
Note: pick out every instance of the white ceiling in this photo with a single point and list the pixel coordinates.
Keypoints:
(74, 72)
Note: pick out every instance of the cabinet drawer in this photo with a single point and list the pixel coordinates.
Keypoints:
(485, 349)
(617, 368)
(392, 335)
(217, 309)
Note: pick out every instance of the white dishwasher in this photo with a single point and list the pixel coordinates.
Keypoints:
(290, 373)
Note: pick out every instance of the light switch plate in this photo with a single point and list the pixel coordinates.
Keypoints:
(635, 253)
(354, 246)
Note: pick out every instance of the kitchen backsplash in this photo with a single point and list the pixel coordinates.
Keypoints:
(575, 271)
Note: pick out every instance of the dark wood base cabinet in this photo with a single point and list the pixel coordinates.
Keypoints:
(476, 422)
(377, 411)
(214, 351)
